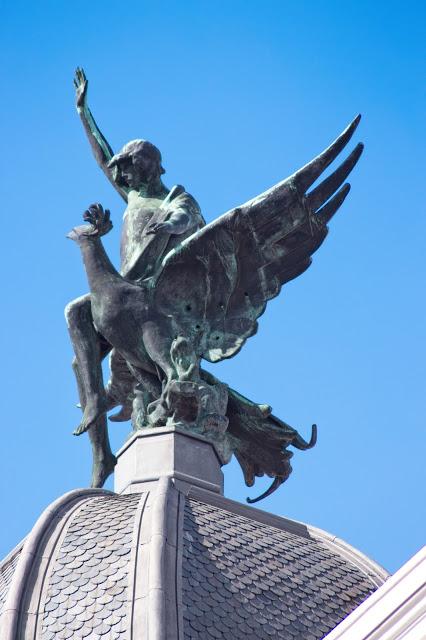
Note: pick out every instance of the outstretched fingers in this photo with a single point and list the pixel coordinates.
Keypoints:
(94, 213)
(80, 84)
(99, 218)
(80, 76)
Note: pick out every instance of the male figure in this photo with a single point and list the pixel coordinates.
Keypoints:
(155, 221)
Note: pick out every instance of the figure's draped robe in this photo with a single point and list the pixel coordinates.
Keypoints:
(142, 254)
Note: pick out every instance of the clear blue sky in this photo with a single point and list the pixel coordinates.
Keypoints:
(237, 95)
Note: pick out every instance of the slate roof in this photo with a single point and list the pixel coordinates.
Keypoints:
(87, 589)
(245, 579)
(177, 563)
(7, 569)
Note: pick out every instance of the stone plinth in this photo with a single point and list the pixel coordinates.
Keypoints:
(170, 452)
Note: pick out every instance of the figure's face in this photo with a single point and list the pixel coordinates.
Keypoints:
(123, 173)
(133, 172)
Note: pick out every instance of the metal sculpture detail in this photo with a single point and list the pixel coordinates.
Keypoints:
(188, 291)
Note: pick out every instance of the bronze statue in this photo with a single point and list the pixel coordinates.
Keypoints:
(188, 291)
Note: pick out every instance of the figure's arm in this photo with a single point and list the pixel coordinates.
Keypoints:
(179, 222)
(184, 215)
(100, 146)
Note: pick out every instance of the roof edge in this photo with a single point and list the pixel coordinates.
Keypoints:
(367, 565)
(292, 526)
(13, 605)
(17, 549)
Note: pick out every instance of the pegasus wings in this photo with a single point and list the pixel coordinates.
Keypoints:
(217, 282)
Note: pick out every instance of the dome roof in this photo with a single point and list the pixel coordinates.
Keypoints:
(171, 560)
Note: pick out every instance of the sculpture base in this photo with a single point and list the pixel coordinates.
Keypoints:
(170, 452)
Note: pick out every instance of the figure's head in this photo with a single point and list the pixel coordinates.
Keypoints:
(138, 163)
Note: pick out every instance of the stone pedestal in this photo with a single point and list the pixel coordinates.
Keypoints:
(151, 454)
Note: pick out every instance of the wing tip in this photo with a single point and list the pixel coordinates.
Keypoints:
(306, 176)
(329, 209)
(355, 122)
(350, 129)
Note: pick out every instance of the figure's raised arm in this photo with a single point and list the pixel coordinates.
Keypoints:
(100, 146)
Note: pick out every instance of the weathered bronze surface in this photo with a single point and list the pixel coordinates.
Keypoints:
(188, 291)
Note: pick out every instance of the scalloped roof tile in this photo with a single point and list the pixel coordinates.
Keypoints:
(177, 563)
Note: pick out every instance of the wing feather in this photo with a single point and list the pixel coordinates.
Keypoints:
(217, 282)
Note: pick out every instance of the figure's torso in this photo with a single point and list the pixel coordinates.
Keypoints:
(142, 253)
(139, 213)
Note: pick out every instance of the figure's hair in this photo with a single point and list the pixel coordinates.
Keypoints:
(135, 149)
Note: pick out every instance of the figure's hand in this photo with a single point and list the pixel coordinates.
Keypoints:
(159, 227)
(99, 219)
(99, 224)
(179, 222)
(80, 83)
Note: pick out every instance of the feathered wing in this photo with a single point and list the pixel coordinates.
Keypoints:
(259, 440)
(217, 282)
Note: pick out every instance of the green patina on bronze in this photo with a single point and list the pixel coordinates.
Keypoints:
(188, 291)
